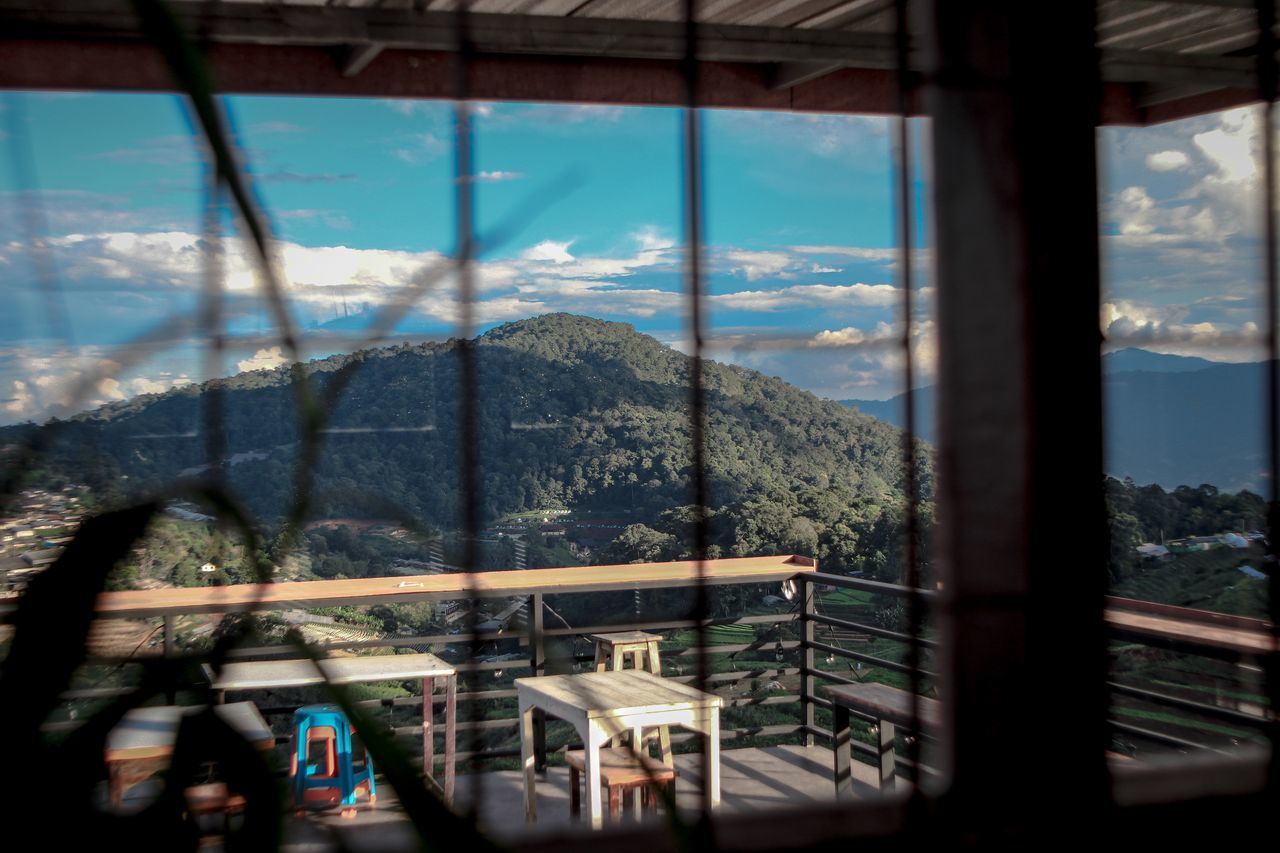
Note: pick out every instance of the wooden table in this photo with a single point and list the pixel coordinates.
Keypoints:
(892, 708)
(261, 675)
(143, 741)
(603, 705)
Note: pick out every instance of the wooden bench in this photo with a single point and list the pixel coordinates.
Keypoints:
(621, 770)
(891, 708)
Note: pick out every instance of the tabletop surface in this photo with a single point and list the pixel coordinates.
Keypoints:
(152, 731)
(615, 692)
(249, 675)
(887, 703)
(627, 637)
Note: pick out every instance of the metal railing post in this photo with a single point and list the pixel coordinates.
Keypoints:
(538, 665)
(170, 650)
(808, 684)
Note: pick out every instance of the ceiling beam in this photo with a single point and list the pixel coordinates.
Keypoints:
(285, 49)
(785, 75)
(355, 58)
(254, 23)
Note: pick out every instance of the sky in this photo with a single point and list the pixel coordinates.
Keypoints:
(578, 209)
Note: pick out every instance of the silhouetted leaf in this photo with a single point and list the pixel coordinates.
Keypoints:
(51, 626)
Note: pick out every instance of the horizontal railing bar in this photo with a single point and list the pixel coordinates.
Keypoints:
(834, 676)
(788, 699)
(760, 645)
(880, 587)
(1161, 737)
(95, 693)
(360, 592)
(674, 625)
(869, 659)
(1189, 647)
(883, 633)
(1154, 698)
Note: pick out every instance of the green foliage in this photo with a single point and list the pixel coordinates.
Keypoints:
(574, 411)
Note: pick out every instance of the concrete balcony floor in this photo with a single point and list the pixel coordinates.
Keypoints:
(752, 780)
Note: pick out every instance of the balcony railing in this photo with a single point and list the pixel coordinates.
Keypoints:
(797, 649)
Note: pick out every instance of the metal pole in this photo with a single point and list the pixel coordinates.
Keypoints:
(808, 683)
(1267, 86)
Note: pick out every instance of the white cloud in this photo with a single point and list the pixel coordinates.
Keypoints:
(1231, 147)
(859, 252)
(277, 127)
(263, 359)
(420, 148)
(757, 265)
(810, 295)
(1221, 201)
(650, 238)
(143, 385)
(549, 250)
(853, 336)
(1166, 328)
(1167, 161)
(110, 389)
(20, 401)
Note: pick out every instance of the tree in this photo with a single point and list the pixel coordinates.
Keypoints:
(640, 544)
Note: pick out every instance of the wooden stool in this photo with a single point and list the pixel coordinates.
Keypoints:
(620, 771)
(212, 798)
(611, 653)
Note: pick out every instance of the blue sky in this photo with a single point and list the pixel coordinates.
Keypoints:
(360, 195)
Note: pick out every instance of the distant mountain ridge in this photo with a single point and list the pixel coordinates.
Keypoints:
(1172, 420)
(573, 411)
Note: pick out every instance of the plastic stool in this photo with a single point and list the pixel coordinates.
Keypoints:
(335, 777)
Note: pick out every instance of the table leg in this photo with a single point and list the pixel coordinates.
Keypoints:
(115, 783)
(527, 765)
(591, 755)
(540, 741)
(428, 730)
(637, 793)
(711, 790)
(843, 751)
(887, 769)
(450, 735)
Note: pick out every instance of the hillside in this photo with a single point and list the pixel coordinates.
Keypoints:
(573, 411)
(1171, 420)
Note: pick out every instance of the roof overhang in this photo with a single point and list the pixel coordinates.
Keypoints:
(1159, 60)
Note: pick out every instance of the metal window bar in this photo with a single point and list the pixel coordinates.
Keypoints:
(1267, 89)
(906, 224)
(693, 214)
(469, 451)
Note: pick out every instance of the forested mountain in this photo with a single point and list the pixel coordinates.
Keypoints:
(1171, 420)
(573, 412)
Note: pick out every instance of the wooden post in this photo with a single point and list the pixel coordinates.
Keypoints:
(450, 735)
(887, 758)
(1014, 104)
(428, 729)
(842, 749)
